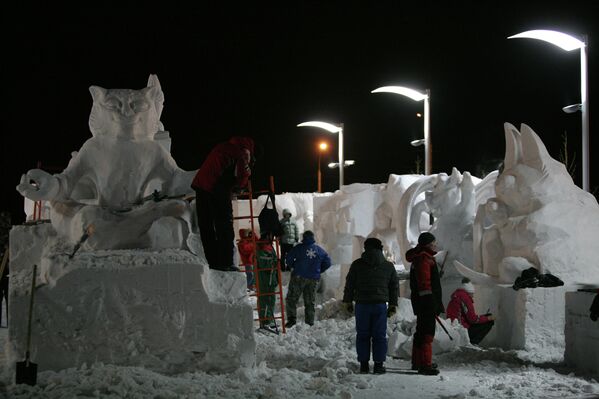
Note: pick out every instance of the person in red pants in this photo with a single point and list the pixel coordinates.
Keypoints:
(426, 296)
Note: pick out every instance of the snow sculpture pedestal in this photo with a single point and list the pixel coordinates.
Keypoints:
(161, 310)
(531, 320)
(582, 334)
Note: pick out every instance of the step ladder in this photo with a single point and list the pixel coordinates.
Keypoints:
(254, 267)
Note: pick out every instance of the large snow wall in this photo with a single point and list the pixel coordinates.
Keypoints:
(162, 310)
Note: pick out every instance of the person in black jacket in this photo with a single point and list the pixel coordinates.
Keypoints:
(371, 282)
(595, 308)
(426, 295)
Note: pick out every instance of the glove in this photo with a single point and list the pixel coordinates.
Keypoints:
(348, 307)
(440, 308)
(391, 311)
(426, 305)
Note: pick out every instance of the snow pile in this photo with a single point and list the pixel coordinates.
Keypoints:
(164, 310)
(319, 362)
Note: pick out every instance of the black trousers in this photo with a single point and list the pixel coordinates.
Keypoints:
(425, 327)
(477, 332)
(4, 297)
(215, 221)
(285, 248)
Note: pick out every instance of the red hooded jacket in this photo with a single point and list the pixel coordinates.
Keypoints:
(424, 278)
(227, 165)
(246, 247)
(461, 307)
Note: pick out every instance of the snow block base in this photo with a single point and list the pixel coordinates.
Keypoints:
(530, 320)
(582, 334)
(161, 310)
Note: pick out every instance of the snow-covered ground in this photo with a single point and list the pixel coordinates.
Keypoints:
(319, 362)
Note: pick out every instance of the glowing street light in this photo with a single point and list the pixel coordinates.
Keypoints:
(321, 148)
(347, 163)
(333, 129)
(417, 96)
(569, 43)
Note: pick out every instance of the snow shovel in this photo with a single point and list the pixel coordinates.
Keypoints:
(26, 370)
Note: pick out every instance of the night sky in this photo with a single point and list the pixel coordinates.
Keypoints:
(260, 69)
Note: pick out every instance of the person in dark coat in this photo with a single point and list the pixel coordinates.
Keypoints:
(595, 308)
(426, 297)
(5, 226)
(461, 308)
(227, 168)
(371, 282)
(307, 261)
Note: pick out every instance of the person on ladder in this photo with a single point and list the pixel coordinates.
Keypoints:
(267, 281)
(227, 167)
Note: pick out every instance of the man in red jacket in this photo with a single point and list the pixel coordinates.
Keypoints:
(425, 285)
(461, 307)
(227, 168)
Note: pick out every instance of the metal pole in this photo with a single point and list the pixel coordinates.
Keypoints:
(319, 176)
(341, 159)
(585, 114)
(428, 148)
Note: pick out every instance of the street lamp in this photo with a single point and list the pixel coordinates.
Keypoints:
(417, 96)
(569, 43)
(321, 148)
(333, 129)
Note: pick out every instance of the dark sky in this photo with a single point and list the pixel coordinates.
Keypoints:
(261, 69)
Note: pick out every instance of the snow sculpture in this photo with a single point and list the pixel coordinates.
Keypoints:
(102, 190)
(452, 201)
(538, 218)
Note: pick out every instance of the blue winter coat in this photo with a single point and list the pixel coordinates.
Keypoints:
(308, 260)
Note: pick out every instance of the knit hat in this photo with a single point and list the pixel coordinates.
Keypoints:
(467, 285)
(373, 243)
(426, 238)
(286, 212)
(307, 234)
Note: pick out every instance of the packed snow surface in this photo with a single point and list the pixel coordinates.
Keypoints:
(320, 362)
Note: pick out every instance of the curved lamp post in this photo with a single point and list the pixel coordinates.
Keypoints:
(417, 96)
(569, 43)
(333, 129)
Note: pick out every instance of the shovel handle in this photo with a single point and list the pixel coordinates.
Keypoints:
(30, 311)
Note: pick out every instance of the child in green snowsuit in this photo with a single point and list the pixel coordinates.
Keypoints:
(267, 280)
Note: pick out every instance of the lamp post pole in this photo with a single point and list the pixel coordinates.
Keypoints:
(417, 95)
(341, 160)
(332, 129)
(584, 108)
(428, 148)
(569, 43)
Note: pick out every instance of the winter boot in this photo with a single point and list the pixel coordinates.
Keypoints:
(379, 368)
(290, 323)
(364, 368)
(416, 368)
(428, 370)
